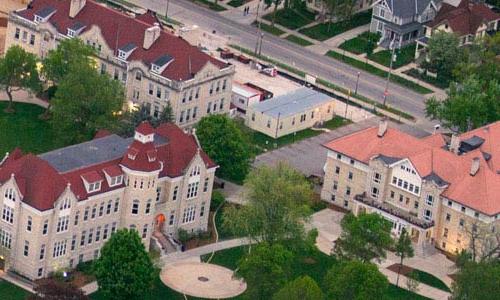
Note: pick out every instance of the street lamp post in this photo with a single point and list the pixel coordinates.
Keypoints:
(166, 11)
(347, 102)
(258, 28)
(357, 82)
(386, 92)
(261, 40)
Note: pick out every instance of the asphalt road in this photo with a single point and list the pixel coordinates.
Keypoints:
(341, 74)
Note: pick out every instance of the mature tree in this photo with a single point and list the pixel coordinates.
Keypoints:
(477, 280)
(355, 280)
(371, 43)
(86, 101)
(278, 199)
(469, 105)
(484, 241)
(166, 115)
(51, 289)
(444, 53)
(339, 10)
(276, 4)
(18, 71)
(124, 270)
(364, 237)
(302, 288)
(224, 142)
(265, 269)
(403, 249)
(481, 60)
(69, 51)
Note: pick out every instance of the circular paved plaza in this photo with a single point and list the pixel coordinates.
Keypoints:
(202, 280)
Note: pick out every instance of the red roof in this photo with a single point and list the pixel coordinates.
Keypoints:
(145, 128)
(480, 192)
(41, 184)
(92, 177)
(119, 29)
(466, 18)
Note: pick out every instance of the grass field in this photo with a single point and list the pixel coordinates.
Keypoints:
(269, 29)
(404, 56)
(356, 45)
(298, 40)
(25, 130)
(236, 3)
(291, 18)
(8, 291)
(438, 82)
(324, 31)
(431, 280)
(376, 71)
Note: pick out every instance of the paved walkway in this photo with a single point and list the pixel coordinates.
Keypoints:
(24, 97)
(339, 39)
(327, 222)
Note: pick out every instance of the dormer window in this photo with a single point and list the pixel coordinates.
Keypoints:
(155, 68)
(151, 156)
(132, 154)
(94, 187)
(44, 14)
(71, 33)
(114, 175)
(117, 180)
(125, 51)
(161, 63)
(122, 54)
(75, 29)
(38, 19)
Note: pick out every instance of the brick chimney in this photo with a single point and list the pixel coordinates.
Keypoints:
(474, 168)
(455, 144)
(75, 7)
(382, 127)
(151, 35)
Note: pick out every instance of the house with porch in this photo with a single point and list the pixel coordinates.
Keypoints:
(469, 21)
(400, 22)
(440, 189)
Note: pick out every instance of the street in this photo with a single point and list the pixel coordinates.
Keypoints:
(339, 73)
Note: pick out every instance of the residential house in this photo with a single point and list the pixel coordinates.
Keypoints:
(289, 113)
(439, 189)
(469, 21)
(59, 208)
(400, 22)
(321, 9)
(155, 66)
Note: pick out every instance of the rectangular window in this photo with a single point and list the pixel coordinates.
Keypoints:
(40, 272)
(448, 217)
(192, 190)
(158, 92)
(335, 185)
(82, 238)
(392, 194)
(337, 170)
(18, 32)
(45, 227)
(348, 191)
(189, 214)
(171, 219)
(101, 209)
(209, 107)
(181, 118)
(73, 243)
(375, 192)
(151, 87)
(158, 194)
(350, 175)
(42, 252)
(90, 237)
(428, 214)
(145, 231)
(174, 195)
(26, 251)
(94, 211)
(59, 249)
(429, 200)
(445, 232)
(394, 180)
(105, 232)
(98, 234)
(29, 224)
(32, 39)
(5, 239)
(117, 203)
(8, 214)
(377, 177)
(415, 204)
(135, 207)
(62, 224)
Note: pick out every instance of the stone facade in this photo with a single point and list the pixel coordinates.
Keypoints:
(36, 241)
(207, 89)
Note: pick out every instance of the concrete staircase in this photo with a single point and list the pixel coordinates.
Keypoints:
(425, 250)
(164, 242)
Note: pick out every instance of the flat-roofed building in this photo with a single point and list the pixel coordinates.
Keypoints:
(289, 113)
(244, 96)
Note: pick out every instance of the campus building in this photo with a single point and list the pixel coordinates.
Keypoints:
(289, 113)
(469, 21)
(439, 189)
(155, 66)
(59, 208)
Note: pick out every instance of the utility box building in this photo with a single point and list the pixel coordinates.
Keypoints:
(289, 113)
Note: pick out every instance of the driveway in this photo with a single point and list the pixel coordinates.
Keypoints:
(309, 156)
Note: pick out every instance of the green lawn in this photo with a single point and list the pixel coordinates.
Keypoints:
(292, 18)
(431, 280)
(298, 40)
(25, 130)
(269, 29)
(438, 82)
(12, 292)
(236, 3)
(397, 293)
(261, 141)
(376, 71)
(210, 4)
(404, 56)
(327, 30)
(356, 45)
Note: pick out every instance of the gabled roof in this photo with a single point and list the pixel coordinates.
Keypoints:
(407, 8)
(42, 179)
(434, 162)
(163, 60)
(45, 12)
(119, 29)
(465, 18)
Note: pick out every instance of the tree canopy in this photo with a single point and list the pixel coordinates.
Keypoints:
(278, 199)
(355, 280)
(52, 289)
(444, 53)
(18, 70)
(364, 237)
(477, 280)
(265, 269)
(124, 270)
(302, 288)
(58, 62)
(403, 249)
(224, 142)
(85, 102)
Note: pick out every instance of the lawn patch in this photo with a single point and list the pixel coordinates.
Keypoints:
(423, 277)
(270, 29)
(397, 293)
(24, 129)
(356, 45)
(439, 82)
(210, 4)
(404, 56)
(327, 30)
(376, 71)
(292, 18)
(298, 40)
(12, 292)
(236, 3)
